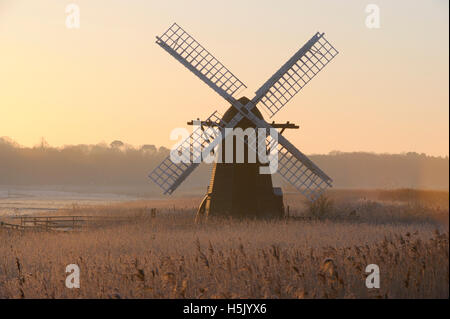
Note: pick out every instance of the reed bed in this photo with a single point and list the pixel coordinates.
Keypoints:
(168, 257)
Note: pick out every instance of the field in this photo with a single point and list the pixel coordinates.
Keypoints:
(318, 251)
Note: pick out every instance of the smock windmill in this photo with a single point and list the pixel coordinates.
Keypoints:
(238, 189)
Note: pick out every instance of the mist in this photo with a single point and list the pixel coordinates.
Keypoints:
(122, 168)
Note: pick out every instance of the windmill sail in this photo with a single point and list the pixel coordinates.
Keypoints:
(306, 180)
(295, 74)
(197, 59)
(293, 165)
(169, 174)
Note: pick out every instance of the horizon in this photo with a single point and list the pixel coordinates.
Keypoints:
(43, 143)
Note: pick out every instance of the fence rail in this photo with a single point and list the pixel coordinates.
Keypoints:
(49, 223)
(15, 226)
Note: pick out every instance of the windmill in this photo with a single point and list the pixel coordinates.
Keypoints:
(238, 189)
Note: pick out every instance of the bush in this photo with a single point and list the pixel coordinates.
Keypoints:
(321, 207)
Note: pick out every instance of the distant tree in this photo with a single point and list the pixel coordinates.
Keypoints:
(117, 144)
(163, 150)
(9, 141)
(148, 148)
(43, 144)
(412, 154)
(334, 153)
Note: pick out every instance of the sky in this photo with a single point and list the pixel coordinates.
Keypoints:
(386, 92)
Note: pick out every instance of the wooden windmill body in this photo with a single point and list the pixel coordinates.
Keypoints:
(238, 189)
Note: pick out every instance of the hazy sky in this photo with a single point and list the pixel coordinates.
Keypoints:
(387, 90)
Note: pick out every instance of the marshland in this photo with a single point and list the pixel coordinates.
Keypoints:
(156, 250)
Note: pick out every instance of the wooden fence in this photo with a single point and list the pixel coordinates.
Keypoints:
(50, 223)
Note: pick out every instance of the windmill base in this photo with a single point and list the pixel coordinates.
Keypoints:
(269, 207)
(239, 191)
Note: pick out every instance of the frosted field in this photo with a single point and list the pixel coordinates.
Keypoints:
(28, 201)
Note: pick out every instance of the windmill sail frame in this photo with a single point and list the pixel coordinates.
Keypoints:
(301, 68)
(294, 166)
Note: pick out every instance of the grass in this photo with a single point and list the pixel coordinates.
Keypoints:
(169, 256)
